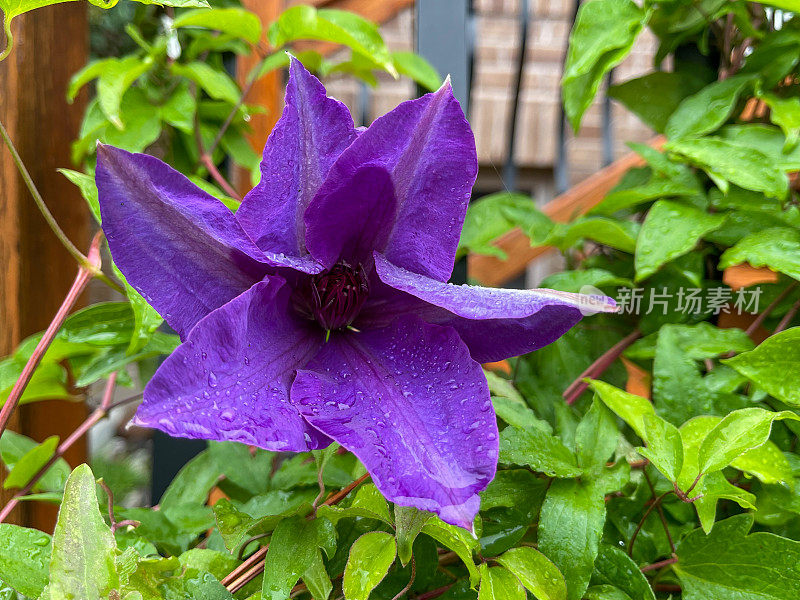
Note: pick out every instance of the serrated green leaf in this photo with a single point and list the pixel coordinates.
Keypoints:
(30, 463)
(417, 68)
(370, 558)
(737, 163)
(614, 567)
(570, 528)
(655, 96)
(596, 437)
(235, 21)
(602, 36)
(24, 559)
(457, 540)
(776, 248)
(292, 551)
(409, 522)
(774, 365)
(664, 446)
(215, 83)
(540, 576)
(83, 563)
(670, 230)
(728, 563)
(706, 110)
(498, 583)
(735, 434)
(538, 450)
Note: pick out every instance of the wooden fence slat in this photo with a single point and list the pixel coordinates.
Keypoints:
(51, 43)
(489, 270)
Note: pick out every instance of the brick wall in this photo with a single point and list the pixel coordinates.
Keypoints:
(496, 48)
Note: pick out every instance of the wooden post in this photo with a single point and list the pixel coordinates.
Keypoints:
(51, 43)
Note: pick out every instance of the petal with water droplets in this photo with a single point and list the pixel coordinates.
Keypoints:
(494, 323)
(414, 407)
(230, 380)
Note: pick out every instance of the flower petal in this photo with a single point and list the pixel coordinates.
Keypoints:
(181, 248)
(311, 133)
(428, 148)
(494, 323)
(359, 214)
(230, 380)
(414, 407)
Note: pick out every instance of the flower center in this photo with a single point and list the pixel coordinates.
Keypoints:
(333, 298)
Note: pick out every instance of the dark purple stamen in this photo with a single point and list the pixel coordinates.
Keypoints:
(333, 298)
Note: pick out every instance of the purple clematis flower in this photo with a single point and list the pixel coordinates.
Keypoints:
(320, 310)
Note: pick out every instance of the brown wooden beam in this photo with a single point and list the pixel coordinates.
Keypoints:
(51, 43)
(489, 270)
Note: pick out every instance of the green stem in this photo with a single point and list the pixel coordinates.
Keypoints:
(37, 198)
(79, 257)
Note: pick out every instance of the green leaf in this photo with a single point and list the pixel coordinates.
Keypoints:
(292, 551)
(417, 68)
(457, 540)
(191, 485)
(177, 3)
(87, 187)
(368, 502)
(670, 230)
(774, 366)
(317, 580)
(614, 567)
(714, 487)
(603, 35)
(539, 450)
(14, 447)
(735, 434)
(664, 446)
(491, 216)
(790, 5)
(83, 559)
(115, 79)
(609, 232)
(655, 96)
(708, 109)
(605, 592)
(596, 437)
(498, 583)
(737, 163)
(24, 559)
(340, 27)
(410, 522)
(370, 558)
(777, 248)
(570, 528)
(88, 73)
(30, 463)
(237, 22)
(728, 563)
(785, 113)
(630, 408)
(540, 576)
(215, 83)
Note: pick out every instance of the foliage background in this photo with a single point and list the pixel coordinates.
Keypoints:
(602, 494)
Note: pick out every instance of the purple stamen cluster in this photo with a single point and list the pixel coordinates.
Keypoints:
(333, 298)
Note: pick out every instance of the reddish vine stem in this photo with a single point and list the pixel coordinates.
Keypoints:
(598, 367)
(84, 276)
(406, 589)
(662, 563)
(99, 413)
(208, 162)
(660, 510)
(434, 593)
(787, 318)
(650, 509)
